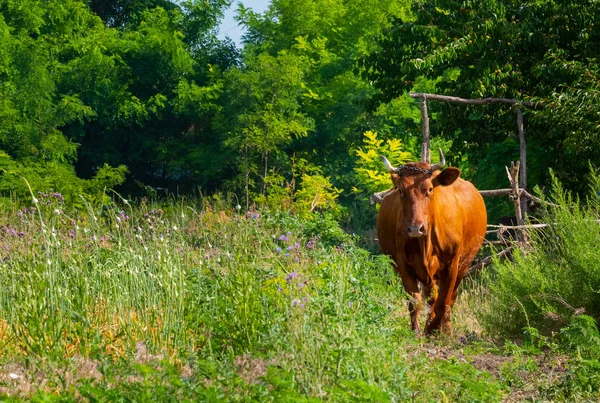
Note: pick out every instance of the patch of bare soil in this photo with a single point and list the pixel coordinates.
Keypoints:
(251, 369)
(529, 378)
(16, 380)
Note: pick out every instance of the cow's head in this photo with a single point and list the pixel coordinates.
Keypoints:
(416, 183)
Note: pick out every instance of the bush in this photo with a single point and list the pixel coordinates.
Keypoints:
(559, 276)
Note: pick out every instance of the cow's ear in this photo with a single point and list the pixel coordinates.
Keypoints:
(446, 177)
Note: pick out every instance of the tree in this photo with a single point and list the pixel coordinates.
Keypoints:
(263, 112)
(513, 49)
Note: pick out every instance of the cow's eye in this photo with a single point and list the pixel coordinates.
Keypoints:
(431, 189)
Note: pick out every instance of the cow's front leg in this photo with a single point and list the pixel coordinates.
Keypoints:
(430, 294)
(411, 286)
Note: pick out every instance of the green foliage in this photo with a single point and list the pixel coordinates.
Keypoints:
(545, 285)
(369, 173)
(317, 194)
(532, 50)
(582, 337)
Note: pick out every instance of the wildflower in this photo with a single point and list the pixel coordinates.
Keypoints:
(300, 285)
(255, 216)
(295, 302)
(238, 207)
(118, 219)
(291, 276)
(34, 200)
(297, 246)
(287, 254)
(290, 247)
(19, 214)
(174, 227)
(72, 234)
(350, 304)
(283, 238)
(278, 249)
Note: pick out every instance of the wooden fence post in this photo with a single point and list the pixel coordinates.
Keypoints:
(513, 178)
(425, 148)
(522, 158)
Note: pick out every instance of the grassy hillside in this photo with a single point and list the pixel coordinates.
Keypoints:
(194, 301)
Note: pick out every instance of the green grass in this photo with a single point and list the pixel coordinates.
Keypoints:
(191, 301)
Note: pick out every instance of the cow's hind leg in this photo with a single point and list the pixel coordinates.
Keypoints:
(445, 300)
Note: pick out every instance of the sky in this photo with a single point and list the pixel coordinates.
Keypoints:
(229, 26)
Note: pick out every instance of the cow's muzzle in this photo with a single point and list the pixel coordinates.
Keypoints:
(417, 230)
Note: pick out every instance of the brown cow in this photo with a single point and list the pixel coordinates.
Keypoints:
(432, 226)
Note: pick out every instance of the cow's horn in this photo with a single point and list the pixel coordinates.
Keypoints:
(387, 165)
(440, 164)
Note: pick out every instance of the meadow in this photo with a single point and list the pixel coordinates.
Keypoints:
(193, 300)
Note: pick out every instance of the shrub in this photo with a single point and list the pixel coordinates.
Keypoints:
(557, 277)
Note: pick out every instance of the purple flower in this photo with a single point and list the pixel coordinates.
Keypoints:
(19, 214)
(72, 234)
(287, 254)
(295, 302)
(255, 216)
(290, 247)
(283, 238)
(279, 288)
(289, 233)
(297, 246)
(278, 249)
(312, 242)
(291, 276)
(350, 304)
(300, 285)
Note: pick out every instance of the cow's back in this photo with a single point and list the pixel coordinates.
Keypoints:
(467, 206)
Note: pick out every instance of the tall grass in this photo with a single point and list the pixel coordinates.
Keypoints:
(558, 277)
(255, 305)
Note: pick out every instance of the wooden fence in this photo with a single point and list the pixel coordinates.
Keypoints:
(517, 173)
